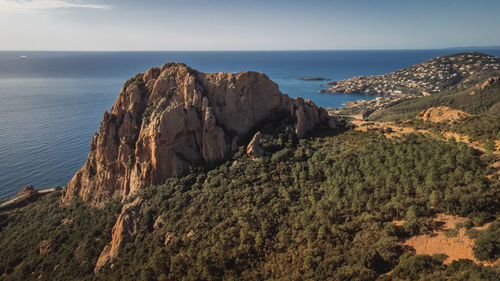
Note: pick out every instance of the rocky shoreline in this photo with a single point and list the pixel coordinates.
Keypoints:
(24, 197)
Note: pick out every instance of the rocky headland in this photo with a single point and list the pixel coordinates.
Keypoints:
(423, 79)
(313, 78)
(172, 117)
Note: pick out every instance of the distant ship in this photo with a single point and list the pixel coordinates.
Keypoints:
(23, 57)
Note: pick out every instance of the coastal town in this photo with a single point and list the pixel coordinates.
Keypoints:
(422, 79)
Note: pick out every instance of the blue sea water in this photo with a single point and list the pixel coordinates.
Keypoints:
(51, 103)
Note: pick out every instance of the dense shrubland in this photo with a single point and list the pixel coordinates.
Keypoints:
(477, 128)
(320, 208)
(76, 235)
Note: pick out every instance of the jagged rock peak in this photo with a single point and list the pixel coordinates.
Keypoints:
(171, 117)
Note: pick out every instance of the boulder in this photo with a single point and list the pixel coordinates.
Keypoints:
(168, 237)
(254, 150)
(45, 248)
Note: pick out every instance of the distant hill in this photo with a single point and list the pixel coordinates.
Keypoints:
(424, 79)
(474, 99)
(496, 47)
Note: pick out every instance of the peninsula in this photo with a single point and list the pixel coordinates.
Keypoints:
(423, 79)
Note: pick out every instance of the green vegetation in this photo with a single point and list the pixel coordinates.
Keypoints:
(483, 128)
(76, 234)
(170, 92)
(490, 146)
(486, 101)
(319, 208)
(136, 80)
(451, 232)
(147, 112)
(488, 243)
(424, 267)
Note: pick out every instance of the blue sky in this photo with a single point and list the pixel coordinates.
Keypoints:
(247, 25)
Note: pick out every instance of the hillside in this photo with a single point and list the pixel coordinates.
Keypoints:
(481, 98)
(326, 201)
(423, 79)
(320, 208)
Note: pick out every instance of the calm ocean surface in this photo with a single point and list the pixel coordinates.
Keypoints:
(52, 102)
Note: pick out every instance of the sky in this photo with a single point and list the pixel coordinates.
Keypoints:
(247, 25)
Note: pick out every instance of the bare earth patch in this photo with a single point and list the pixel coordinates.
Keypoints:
(397, 130)
(459, 247)
(442, 114)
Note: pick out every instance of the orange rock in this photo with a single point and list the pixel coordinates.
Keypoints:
(124, 231)
(168, 237)
(254, 150)
(490, 82)
(442, 114)
(169, 118)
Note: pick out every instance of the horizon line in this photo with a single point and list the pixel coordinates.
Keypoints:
(250, 50)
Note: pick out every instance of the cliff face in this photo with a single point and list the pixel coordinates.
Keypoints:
(171, 117)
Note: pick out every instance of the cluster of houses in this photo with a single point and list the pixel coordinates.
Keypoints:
(370, 105)
(423, 79)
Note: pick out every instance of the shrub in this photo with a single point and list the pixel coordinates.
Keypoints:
(490, 146)
(452, 232)
(412, 267)
(440, 257)
(472, 233)
(488, 243)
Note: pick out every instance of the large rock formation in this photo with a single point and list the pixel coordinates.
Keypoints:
(167, 119)
(124, 231)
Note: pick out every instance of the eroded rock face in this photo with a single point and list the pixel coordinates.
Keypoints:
(124, 231)
(45, 248)
(254, 150)
(489, 82)
(174, 116)
(442, 114)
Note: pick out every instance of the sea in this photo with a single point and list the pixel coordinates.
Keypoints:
(51, 103)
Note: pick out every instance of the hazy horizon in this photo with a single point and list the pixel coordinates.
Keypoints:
(222, 25)
(458, 48)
